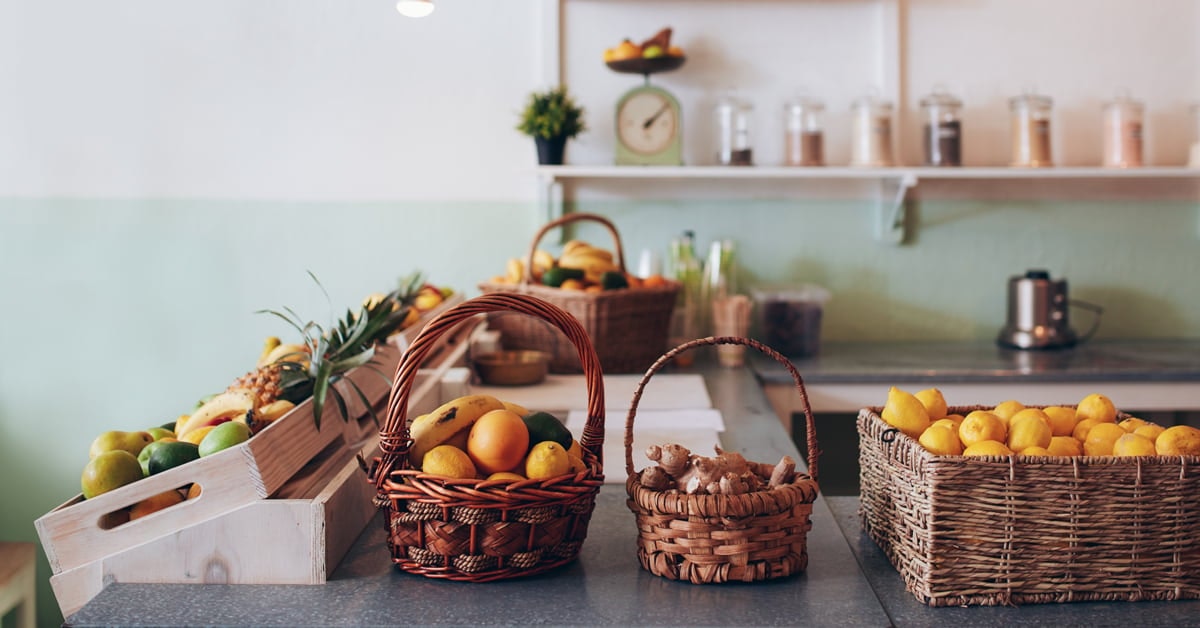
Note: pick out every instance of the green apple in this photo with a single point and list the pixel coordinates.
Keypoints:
(160, 433)
(224, 436)
(652, 51)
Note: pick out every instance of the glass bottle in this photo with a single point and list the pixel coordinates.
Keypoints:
(1123, 118)
(684, 267)
(1031, 130)
(871, 143)
(732, 117)
(942, 130)
(803, 137)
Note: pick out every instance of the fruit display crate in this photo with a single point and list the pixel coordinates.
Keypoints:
(81, 531)
(1005, 530)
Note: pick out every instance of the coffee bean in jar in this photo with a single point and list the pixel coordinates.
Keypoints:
(789, 321)
(942, 130)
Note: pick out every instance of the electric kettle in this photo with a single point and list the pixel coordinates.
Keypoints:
(1037, 313)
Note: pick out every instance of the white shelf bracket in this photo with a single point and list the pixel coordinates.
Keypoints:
(550, 198)
(892, 209)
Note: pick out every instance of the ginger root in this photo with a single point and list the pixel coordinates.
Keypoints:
(728, 473)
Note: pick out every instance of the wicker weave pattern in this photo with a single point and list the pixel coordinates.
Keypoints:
(628, 328)
(707, 539)
(478, 530)
(1017, 530)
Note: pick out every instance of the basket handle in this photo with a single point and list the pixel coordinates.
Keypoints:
(810, 428)
(565, 220)
(394, 437)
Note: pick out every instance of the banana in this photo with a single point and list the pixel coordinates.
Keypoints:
(264, 416)
(519, 409)
(443, 424)
(542, 261)
(514, 270)
(289, 352)
(592, 264)
(268, 346)
(230, 403)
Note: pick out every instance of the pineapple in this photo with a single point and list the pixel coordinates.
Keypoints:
(297, 372)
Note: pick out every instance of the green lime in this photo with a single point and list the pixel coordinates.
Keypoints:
(544, 426)
(171, 454)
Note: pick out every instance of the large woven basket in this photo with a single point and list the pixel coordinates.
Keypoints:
(478, 530)
(723, 538)
(1002, 530)
(628, 327)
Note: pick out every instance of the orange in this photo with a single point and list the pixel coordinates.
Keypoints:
(193, 491)
(154, 503)
(654, 281)
(498, 441)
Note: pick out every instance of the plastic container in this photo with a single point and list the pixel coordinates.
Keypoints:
(803, 135)
(789, 320)
(1123, 117)
(871, 133)
(1031, 130)
(942, 130)
(732, 119)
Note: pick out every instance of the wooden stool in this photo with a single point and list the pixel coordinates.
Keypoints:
(17, 590)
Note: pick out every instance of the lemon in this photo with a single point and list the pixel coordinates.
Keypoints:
(1061, 419)
(1150, 430)
(947, 422)
(941, 440)
(1034, 451)
(154, 503)
(1027, 429)
(575, 449)
(448, 461)
(506, 475)
(1133, 445)
(1132, 423)
(987, 448)
(1100, 439)
(1006, 409)
(1065, 446)
(1178, 440)
(1097, 406)
(547, 459)
(934, 402)
(981, 425)
(905, 412)
(957, 418)
(1082, 428)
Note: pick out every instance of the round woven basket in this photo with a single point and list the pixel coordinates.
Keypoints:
(707, 539)
(479, 530)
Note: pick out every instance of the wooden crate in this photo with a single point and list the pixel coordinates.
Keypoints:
(81, 531)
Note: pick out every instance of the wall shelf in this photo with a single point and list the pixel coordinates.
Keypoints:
(891, 186)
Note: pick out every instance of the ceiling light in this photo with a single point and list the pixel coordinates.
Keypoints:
(415, 8)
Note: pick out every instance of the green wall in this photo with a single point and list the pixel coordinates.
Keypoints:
(119, 314)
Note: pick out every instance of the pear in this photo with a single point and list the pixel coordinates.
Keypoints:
(109, 470)
(905, 412)
(132, 442)
(224, 436)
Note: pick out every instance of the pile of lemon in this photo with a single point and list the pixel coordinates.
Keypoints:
(1087, 429)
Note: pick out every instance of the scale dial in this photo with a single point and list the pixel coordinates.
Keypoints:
(648, 127)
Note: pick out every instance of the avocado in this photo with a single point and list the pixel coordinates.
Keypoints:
(555, 277)
(613, 280)
(171, 454)
(544, 426)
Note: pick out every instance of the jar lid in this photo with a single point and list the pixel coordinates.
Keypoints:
(806, 104)
(872, 102)
(940, 98)
(1124, 101)
(1030, 100)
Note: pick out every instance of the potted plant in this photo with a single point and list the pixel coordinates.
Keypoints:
(551, 117)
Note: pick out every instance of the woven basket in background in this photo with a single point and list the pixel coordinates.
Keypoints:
(628, 327)
(478, 530)
(1001, 530)
(707, 539)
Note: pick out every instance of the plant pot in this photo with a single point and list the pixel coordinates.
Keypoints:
(550, 150)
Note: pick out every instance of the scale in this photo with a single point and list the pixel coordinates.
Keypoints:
(649, 121)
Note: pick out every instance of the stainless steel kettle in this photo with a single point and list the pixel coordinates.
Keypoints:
(1038, 316)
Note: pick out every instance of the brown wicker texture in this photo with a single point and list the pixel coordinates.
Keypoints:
(1006, 530)
(478, 530)
(707, 539)
(628, 328)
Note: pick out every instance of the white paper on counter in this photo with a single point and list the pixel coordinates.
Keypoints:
(562, 393)
(698, 430)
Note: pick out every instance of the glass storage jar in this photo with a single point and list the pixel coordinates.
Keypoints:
(871, 133)
(942, 130)
(1031, 130)
(1123, 118)
(803, 136)
(732, 117)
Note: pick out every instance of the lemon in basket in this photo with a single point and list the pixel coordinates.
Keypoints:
(1065, 446)
(987, 448)
(934, 402)
(1178, 440)
(547, 459)
(1029, 428)
(981, 425)
(1007, 409)
(1133, 445)
(1101, 438)
(448, 461)
(941, 440)
(1150, 430)
(1096, 406)
(905, 412)
(1061, 419)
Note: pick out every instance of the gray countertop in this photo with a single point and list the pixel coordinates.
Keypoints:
(605, 586)
(984, 361)
(905, 610)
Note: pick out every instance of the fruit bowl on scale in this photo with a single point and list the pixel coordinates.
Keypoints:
(642, 65)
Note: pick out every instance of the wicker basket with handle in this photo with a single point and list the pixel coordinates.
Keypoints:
(704, 539)
(478, 530)
(1003, 530)
(627, 327)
